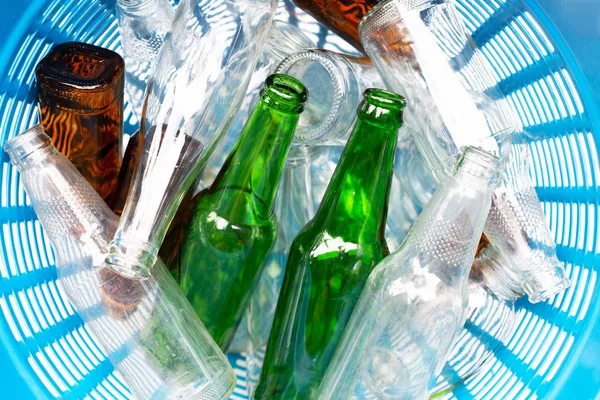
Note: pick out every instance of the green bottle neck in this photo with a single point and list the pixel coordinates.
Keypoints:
(256, 163)
(355, 203)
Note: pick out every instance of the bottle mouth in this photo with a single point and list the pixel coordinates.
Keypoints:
(384, 105)
(497, 276)
(480, 164)
(26, 143)
(285, 92)
(131, 258)
(330, 111)
(385, 99)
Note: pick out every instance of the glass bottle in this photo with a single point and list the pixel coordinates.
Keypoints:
(415, 301)
(233, 228)
(331, 258)
(143, 25)
(422, 49)
(341, 16)
(294, 208)
(199, 79)
(80, 98)
(145, 326)
(335, 82)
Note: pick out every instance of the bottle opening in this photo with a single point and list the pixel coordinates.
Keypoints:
(23, 145)
(385, 99)
(480, 164)
(286, 92)
(325, 80)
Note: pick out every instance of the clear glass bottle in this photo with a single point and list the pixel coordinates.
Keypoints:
(80, 98)
(145, 326)
(199, 80)
(143, 25)
(421, 48)
(415, 301)
(335, 82)
(294, 208)
(331, 258)
(233, 229)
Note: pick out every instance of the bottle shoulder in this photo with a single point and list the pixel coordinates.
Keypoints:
(240, 209)
(417, 278)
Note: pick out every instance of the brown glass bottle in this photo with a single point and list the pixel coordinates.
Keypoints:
(341, 16)
(80, 96)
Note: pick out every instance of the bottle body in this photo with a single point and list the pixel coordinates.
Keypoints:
(80, 97)
(142, 325)
(143, 25)
(221, 261)
(331, 258)
(233, 228)
(415, 301)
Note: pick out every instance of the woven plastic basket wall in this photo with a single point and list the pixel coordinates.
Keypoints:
(46, 351)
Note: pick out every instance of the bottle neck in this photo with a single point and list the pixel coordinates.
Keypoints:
(449, 228)
(256, 163)
(355, 201)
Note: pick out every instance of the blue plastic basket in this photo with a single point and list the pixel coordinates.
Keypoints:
(551, 80)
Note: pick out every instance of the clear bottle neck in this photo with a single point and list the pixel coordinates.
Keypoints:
(29, 147)
(449, 228)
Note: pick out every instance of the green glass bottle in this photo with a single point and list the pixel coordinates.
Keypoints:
(331, 258)
(233, 228)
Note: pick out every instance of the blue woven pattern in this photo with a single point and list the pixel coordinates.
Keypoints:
(46, 351)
